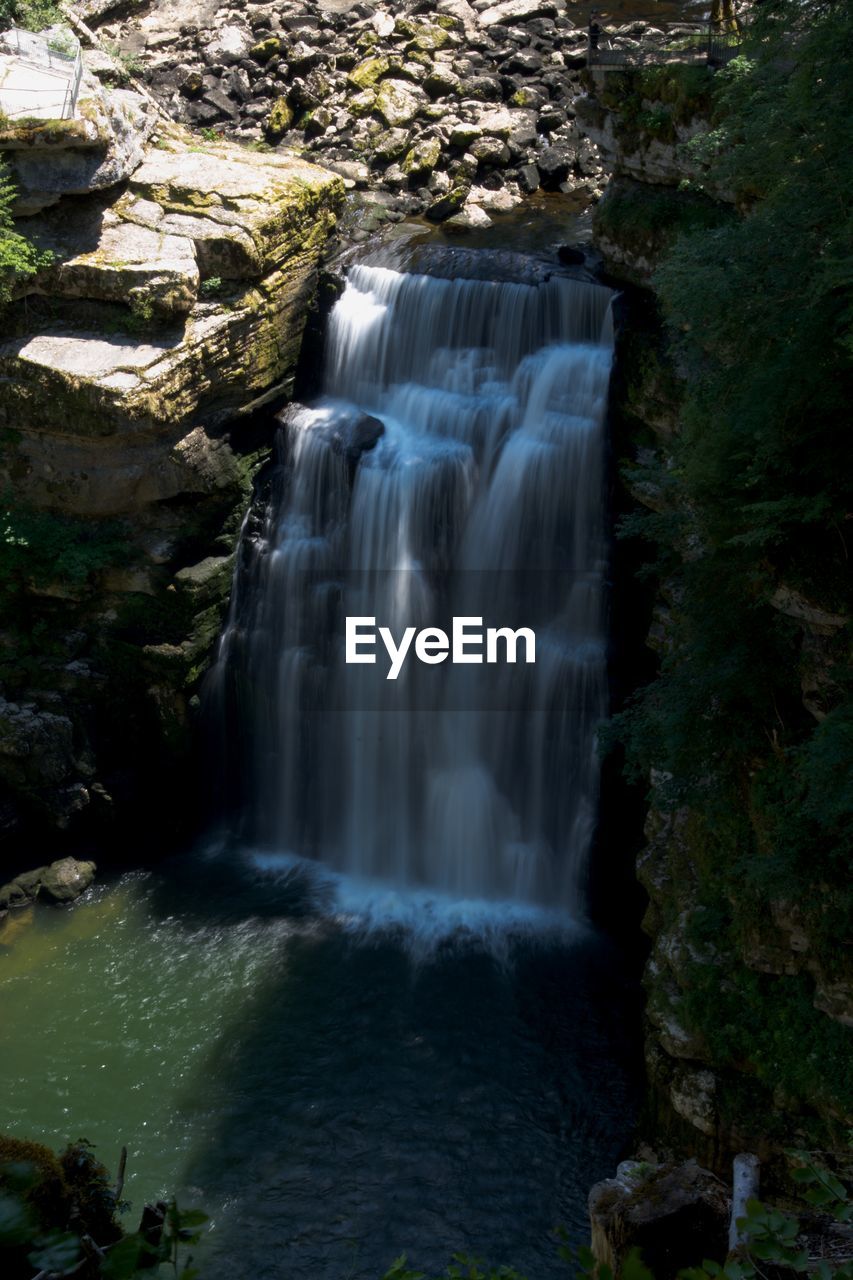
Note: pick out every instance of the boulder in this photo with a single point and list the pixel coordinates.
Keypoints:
(422, 158)
(67, 879)
(60, 882)
(676, 1215)
(490, 151)
(509, 11)
(471, 218)
(528, 178)
(398, 102)
(230, 44)
(555, 165)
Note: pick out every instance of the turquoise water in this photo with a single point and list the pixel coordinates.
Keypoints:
(332, 1093)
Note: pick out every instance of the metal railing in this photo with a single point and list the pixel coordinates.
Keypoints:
(31, 50)
(697, 43)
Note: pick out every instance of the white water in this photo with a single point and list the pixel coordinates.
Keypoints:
(483, 497)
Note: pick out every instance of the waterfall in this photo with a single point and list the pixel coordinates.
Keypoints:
(452, 467)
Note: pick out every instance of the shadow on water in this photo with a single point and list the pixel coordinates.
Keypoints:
(360, 1104)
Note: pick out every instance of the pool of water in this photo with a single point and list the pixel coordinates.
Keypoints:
(333, 1090)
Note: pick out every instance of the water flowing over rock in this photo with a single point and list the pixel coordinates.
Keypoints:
(481, 497)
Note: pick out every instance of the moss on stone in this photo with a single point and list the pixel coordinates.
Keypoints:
(369, 72)
(265, 49)
(279, 119)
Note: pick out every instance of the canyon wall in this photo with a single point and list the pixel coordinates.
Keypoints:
(749, 996)
(176, 277)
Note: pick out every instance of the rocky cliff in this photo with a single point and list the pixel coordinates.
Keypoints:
(176, 281)
(749, 996)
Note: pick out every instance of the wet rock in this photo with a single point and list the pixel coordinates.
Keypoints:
(449, 203)
(67, 879)
(675, 1215)
(62, 881)
(471, 218)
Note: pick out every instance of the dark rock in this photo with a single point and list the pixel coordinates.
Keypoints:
(554, 166)
(524, 63)
(551, 118)
(223, 104)
(357, 436)
(449, 204)
(528, 178)
(675, 1215)
(571, 257)
(483, 88)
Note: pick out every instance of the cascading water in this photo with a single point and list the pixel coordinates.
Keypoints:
(452, 467)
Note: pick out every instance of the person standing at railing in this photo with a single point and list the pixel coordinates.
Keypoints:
(595, 31)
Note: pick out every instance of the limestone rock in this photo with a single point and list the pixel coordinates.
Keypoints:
(693, 1096)
(229, 45)
(94, 152)
(510, 11)
(119, 440)
(398, 102)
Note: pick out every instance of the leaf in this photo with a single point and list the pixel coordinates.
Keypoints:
(57, 1251)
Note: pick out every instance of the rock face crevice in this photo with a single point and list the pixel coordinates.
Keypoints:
(178, 275)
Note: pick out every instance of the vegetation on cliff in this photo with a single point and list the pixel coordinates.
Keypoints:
(19, 258)
(750, 722)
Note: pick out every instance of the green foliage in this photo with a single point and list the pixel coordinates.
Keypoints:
(38, 548)
(77, 1233)
(755, 495)
(32, 15)
(771, 1238)
(660, 211)
(211, 287)
(770, 1023)
(18, 257)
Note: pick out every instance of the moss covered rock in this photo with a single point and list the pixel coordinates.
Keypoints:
(279, 119)
(422, 158)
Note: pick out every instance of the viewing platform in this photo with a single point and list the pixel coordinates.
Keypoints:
(648, 43)
(39, 75)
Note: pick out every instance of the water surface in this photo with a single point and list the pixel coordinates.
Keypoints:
(332, 1095)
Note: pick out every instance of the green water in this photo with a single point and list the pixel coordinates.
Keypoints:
(108, 1013)
(329, 1097)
